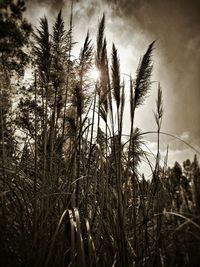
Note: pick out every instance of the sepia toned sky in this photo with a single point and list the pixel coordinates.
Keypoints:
(132, 25)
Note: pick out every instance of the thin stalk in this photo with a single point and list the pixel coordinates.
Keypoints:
(90, 148)
(35, 158)
(68, 75)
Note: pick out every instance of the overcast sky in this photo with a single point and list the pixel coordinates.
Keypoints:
(132, 25)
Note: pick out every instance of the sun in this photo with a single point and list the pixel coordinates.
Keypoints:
(94, 74)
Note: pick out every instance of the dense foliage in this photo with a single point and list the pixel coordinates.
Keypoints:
(70, 190)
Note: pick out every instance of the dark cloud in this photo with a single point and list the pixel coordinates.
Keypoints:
(52, 4)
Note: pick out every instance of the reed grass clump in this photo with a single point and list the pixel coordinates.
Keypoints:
(70, 191)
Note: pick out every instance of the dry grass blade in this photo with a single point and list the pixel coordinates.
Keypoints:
(181, 216)
(86, 55)
(42, 50)
(143, 82)
(159, 105)
(116, 76)
(54, 238)
(72, 236)
(100, 38)
(80, 246)
(91, 247)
